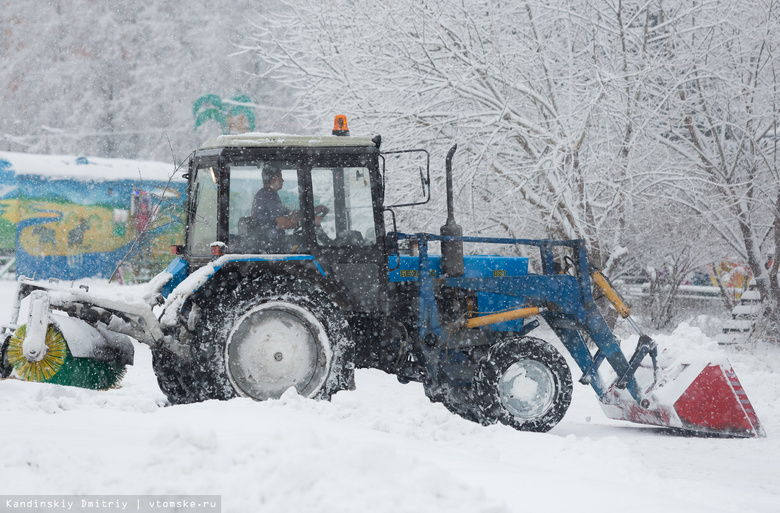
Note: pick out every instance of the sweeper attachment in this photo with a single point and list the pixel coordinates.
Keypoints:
(243, 314)
(63, 350)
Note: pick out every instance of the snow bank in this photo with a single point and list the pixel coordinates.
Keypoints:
(381, 448)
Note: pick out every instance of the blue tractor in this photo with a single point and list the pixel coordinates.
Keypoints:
(248, 309)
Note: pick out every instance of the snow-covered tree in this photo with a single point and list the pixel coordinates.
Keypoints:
(719, 121)
(120, 79)
(542, 96)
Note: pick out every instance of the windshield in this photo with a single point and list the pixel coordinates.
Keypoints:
(247, 180)
(265, 213)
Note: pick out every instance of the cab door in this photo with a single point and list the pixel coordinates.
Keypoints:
(348, 240)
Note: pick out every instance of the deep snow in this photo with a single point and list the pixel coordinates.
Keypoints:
(380, 448)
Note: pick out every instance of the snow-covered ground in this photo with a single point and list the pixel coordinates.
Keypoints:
(380, 448)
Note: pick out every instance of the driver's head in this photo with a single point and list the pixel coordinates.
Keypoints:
(271, 171)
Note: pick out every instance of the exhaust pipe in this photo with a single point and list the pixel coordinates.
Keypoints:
(451, 250)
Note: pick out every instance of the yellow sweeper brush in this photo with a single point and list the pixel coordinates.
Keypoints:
(63, 350)
(59, 366)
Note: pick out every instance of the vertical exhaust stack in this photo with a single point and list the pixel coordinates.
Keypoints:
(451, 250)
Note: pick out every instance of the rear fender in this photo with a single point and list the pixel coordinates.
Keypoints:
(223, 274)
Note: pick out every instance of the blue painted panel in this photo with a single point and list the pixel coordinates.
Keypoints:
(178, 268)
(497, 266)
(69, 267)
(476, 266)
(409, 268)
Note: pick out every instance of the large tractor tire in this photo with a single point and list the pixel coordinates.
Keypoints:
(524, 383)
(5, 366)
(174, 376)
(272, 334)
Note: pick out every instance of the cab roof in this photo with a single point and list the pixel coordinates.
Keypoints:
(260, 140)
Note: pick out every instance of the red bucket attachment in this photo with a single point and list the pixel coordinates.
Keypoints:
(700, 395)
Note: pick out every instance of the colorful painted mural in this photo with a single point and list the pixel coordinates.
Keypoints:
(71, 217)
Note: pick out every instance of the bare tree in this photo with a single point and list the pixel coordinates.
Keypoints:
(571, 111)
(720, 118)
(536, 92)
(119, 80)
(666, 253)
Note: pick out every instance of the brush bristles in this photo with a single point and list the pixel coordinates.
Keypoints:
(59, 366)
(48, 366)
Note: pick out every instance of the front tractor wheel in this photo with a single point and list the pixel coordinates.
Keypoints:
(524, 383)
(273, 335)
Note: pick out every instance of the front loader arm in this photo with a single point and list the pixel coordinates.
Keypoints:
(567, 300)
(571, 313)
(700, 395)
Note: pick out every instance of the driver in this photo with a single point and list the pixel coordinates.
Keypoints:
(272, 216)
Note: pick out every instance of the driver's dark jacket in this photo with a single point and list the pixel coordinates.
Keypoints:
(266, 207)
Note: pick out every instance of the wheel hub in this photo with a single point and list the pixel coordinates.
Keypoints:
(276, 346)
(527, 389)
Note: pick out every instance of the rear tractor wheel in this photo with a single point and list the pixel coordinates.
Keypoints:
(524, 383)
(174, 377)
(271, 335)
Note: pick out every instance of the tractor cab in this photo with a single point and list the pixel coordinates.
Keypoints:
(322, 196)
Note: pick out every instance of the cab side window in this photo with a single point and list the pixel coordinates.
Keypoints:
(346, 192)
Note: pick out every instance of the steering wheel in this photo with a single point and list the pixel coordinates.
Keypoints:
(349, 238)
(322, 236)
